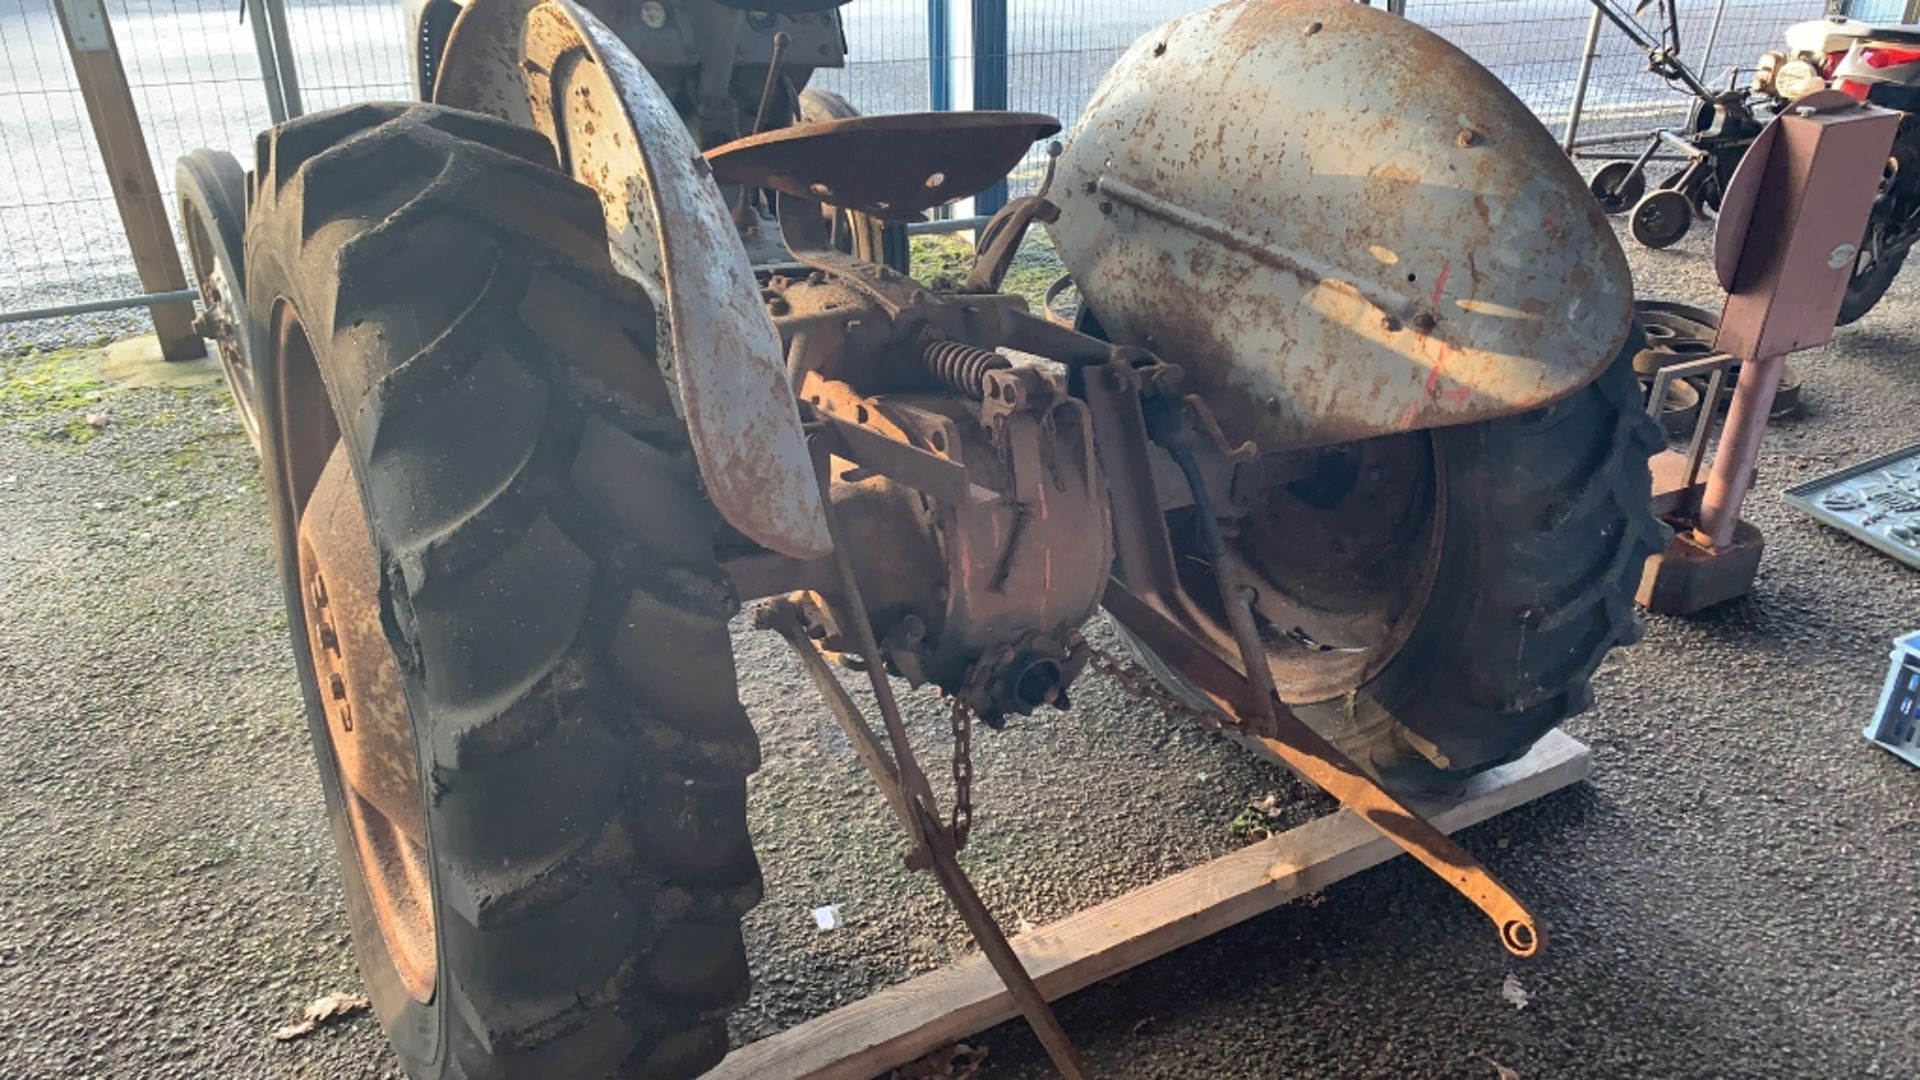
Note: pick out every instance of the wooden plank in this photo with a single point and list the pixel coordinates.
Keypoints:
(906, 1021)
(129, 168)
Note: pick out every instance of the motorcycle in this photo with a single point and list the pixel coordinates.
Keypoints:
(1879, 65)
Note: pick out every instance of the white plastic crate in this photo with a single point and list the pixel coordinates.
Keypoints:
(1895, 724)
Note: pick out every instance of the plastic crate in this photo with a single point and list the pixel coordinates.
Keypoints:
(1895, 724)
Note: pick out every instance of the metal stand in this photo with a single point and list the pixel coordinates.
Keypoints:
(1802, 193)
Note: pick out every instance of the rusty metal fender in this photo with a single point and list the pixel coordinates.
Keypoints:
(1339, 224)
(554, 66)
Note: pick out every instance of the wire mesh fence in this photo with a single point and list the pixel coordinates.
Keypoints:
(889, 56)
(190, 68)
(196, 80)
(1535, 48)
(349, 50)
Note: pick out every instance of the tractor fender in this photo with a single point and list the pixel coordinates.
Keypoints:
(554, 66)
(1338, 224)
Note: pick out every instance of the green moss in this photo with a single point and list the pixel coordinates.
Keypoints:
(41, 384)
(943, 261)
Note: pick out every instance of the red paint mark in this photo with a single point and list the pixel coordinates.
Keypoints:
(1439, 362)
(1446, 266)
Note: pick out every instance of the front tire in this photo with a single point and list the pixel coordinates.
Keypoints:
(1869, 283)
(211, 194)
(1541, 524)
(461, 399)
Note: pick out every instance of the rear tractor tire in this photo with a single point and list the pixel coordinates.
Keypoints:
(1436, 602)
(507, 616)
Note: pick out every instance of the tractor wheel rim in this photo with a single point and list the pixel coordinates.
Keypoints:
(1344, 557)
(221, 318)
(362, 694)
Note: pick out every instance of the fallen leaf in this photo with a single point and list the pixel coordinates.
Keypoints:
(1502, 1072)
(322, 1011)
(1514, 993)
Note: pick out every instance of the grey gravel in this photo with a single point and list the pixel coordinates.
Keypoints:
(1732, 895)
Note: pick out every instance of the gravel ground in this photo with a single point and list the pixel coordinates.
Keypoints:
(1732, 895)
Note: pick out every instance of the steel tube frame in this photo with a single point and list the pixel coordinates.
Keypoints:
(283, 57)
(990, 67)
(1735, 459)
(1588, 55)
(263, 49)
(1713, 35)
(86, 306)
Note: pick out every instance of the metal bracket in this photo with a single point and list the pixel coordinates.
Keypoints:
(905, 785)
(1247, 695)
(1277, 728)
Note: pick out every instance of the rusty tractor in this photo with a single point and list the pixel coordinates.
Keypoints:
(612, 334)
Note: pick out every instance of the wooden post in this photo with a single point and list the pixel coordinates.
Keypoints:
(908, 1019)
(123, 149)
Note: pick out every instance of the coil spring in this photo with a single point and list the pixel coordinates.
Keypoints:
(963, 367)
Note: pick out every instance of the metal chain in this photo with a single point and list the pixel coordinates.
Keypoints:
(1139, 684)
(961, 721)
(1135, 682)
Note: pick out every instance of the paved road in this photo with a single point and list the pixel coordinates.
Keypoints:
(1731, 896)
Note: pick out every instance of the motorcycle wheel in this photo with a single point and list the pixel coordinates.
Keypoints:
(1871, 278)
(1872, 275)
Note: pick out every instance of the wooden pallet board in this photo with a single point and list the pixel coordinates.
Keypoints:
(908, 1020)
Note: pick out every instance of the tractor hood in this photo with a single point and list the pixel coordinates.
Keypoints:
(1339, 224)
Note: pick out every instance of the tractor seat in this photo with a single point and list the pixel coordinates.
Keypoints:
(894, 167)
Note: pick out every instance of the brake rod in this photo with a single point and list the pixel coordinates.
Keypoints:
(905, 786)
(1250, 698)
(1318, 761)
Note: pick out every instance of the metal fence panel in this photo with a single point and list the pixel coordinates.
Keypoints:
(1535, 46)
(1060, 49)
(349, 50)
(191, 67)
(196, 80)
(889, 48)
